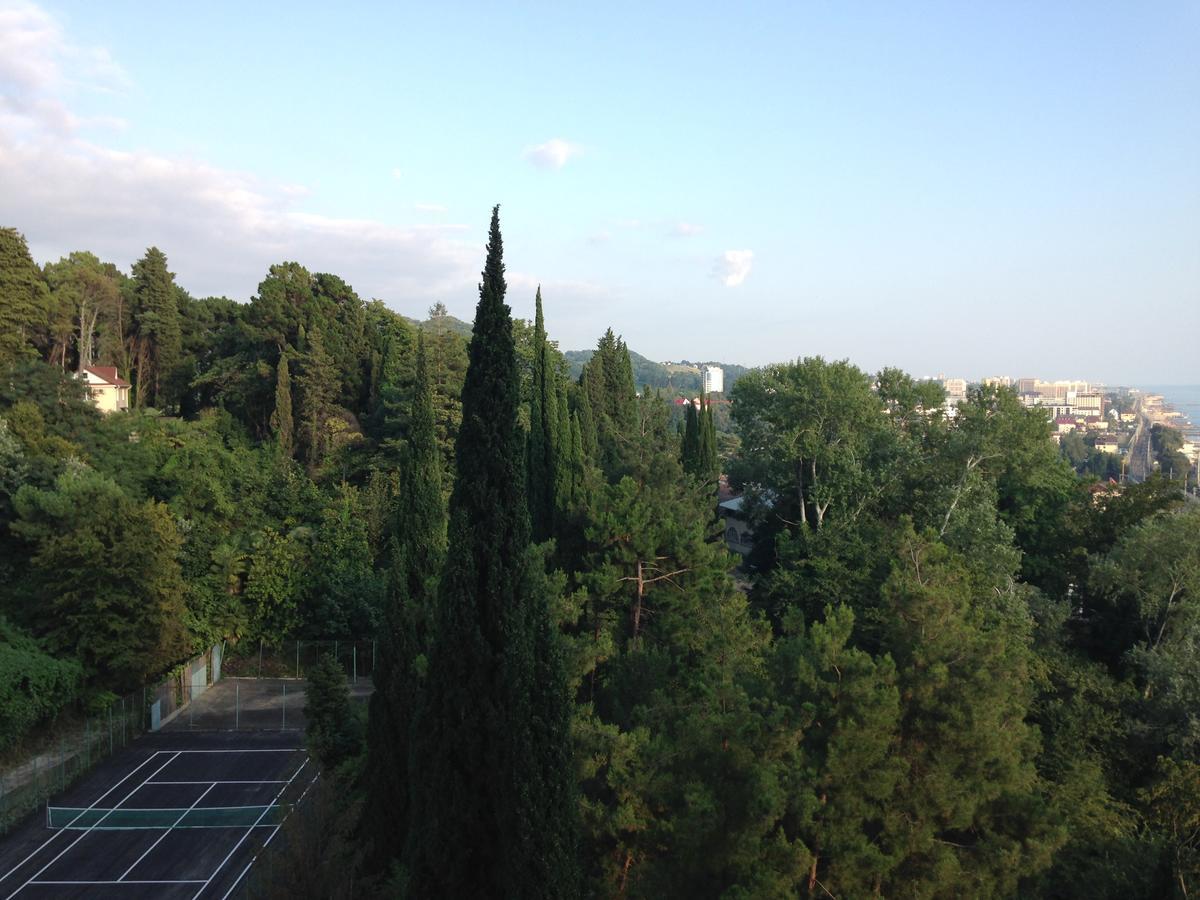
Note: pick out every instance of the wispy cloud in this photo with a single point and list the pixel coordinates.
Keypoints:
(599, 237)
(397, 173)
(553, 154)
(733, 266)
(221, 228)
(560, 292)
(39, 65)
(429, 207)
(687, 229)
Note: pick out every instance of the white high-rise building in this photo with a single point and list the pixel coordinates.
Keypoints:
(714, 379)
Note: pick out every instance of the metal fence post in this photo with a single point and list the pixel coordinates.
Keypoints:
(110, 734)
(260, 649)
(237, 704)
(87, 731)
(283, 724)
(373, 643)
(356, 662)
(62, 762)
(191, 712)
(297, 658)
(124, 719)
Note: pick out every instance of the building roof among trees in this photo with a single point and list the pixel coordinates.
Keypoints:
(107, 373)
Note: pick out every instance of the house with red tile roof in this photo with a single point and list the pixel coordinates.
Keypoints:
(108, 390)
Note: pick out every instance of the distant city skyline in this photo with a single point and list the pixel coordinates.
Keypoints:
(940, 187)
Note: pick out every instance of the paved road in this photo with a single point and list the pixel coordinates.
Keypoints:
(1140, 465)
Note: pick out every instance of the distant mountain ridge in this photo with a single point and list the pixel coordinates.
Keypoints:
(645, 371)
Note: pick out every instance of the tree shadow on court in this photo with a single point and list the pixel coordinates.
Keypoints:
(314, 856)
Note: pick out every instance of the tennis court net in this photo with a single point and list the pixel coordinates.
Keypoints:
(124, 818)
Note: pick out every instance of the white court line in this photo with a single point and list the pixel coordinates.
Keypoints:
(270, 837)
(192, 881)
(265, 781)
(181, 827)
(250, 830)
(97, 822)
(54, 836)
(168, 831)
(166, 809)
(255, 750)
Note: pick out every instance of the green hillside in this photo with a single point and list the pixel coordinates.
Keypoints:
(656, 375)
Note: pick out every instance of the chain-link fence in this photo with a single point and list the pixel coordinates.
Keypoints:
(243, 704)
(78, 738)
(248, 686)
(293, 658)
(60, 756)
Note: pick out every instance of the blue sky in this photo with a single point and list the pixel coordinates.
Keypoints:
(963, 188)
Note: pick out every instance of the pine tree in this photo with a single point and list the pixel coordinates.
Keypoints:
(541, 470)
(493, 810)
(281, 417)
(967, 809)
(158, 340)
(23, 296)
(676, 802)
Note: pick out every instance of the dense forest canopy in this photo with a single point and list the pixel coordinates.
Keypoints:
(946, 668)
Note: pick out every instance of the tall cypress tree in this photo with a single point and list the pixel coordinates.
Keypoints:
(417, 553)
(424, 512)
(542, 455)
(493, 805)
(690, 451)
(281, 418)
(607, 389)
(707, 466)
(318, 382)
(562, 443)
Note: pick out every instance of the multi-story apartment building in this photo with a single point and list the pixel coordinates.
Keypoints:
(714, 379)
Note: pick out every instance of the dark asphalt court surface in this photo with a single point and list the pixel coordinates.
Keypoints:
(171, 771)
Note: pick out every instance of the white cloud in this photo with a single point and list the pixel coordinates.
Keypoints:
(39, 66)
(560, 292)
(429, 207)
(687, 229)
(553, 154)
(733, 266)
(397, 174)
(600, 237)
(221, 229)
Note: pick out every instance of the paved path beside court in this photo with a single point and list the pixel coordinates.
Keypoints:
(252, 704)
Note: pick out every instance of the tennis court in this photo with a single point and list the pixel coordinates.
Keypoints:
(174, 816)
